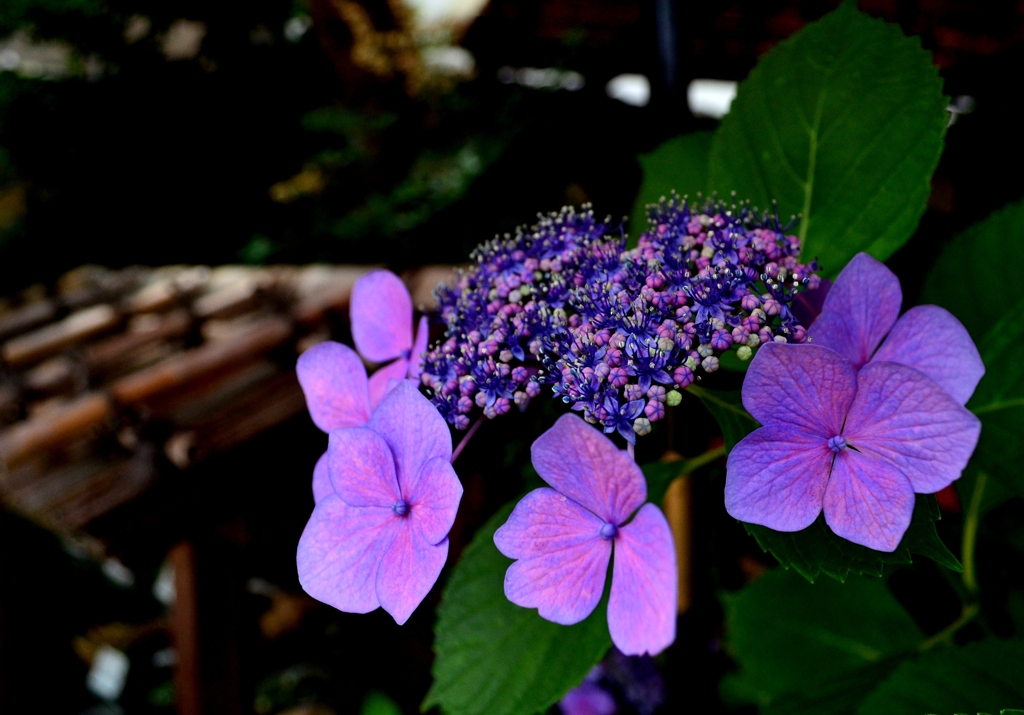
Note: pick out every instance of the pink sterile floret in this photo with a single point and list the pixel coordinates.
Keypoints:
(563, 537)
(378, 535)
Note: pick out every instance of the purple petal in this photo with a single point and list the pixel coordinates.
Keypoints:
(385, 378)
(433, 499)
(413, 428)
(579, 461)
(930, 339)
(408, 571)
(334, 381)
(321, 480)
(563, 560)
(807, 306)
(339, 553)
(642, 605)
(868, 501)
(381, 313)
(864, 303)
(418, 348)
(905, 418)
(806, 386)
(588, 699)
(361, 468)
(776, 477)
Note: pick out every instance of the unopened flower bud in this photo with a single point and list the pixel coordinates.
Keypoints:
(642, 426)
(710, 364)
(673, 398)
(743, 352)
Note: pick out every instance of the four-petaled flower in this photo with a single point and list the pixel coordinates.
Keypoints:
(381, 314)
(379, 537)
(862, 308)
(856, 444)
(562, 538)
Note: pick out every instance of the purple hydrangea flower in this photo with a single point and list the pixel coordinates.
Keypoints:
(861, 310)
(379, 537)
(500, 311)
(705, 278)
(856, 444)
(589, 698)
(563, 537)
(381, 313)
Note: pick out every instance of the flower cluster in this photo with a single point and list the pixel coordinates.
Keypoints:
(501, 311)
(704, 280)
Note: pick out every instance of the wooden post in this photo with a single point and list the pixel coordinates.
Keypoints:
(184, 624)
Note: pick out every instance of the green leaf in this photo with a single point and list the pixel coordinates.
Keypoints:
(377, 703)
(842, 123)
(794, 640)
(977, 275)
(495, 658)
(680, 164)
(999, 402)
(983, 676)
(817, 549)
(727, 408)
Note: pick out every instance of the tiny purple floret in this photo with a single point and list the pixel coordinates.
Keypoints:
(837, 443)
(562, 539)
(378, 535)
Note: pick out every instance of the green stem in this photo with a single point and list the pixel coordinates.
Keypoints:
(970, 535)
(970, 575)
(688, 466)
(966, 616)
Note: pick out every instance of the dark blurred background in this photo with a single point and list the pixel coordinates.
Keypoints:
(294, 131)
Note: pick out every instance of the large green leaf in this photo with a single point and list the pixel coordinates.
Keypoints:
(999, 402)
(727, 408)
(983, 676)
(680, 164)
(796, 641)
(842, 123)
(977, 275)
(817, 549)
(495, 658)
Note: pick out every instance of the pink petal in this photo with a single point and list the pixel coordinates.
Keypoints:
(864, 303)
(385, 378)
(408, 571)
(930, 339)
(434, 499)
(418, 348)
(339, 552)
(579, 461)
(868, 501)
(381, 313)
(413, 428)
(563, 560)
(334, 381)
(776, 477)
(807, 386)
(905, 418)
(642, 605)
(361, 468)
(321, 480)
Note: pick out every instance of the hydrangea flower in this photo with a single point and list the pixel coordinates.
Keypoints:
(563, 538)
(379, 538)
(589, 698)
(499, 312)
(381, 313)
(861, 311)
(854, 444)
(706, 278)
